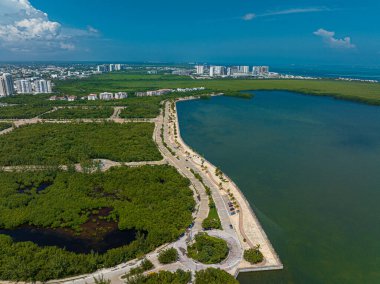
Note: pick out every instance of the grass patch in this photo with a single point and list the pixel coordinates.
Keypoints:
(207, 249)
(64, 144)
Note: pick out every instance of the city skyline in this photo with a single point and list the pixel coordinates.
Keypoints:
(308, 32)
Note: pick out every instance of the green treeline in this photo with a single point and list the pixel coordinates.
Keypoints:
(21, 112)
(162, 277)
(214, 276)
(155, 200)
(4, 125)
(79, 113)
(64, 144)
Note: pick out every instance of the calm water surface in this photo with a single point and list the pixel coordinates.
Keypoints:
(310, 167)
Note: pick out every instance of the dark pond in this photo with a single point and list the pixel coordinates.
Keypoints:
(49, 237)
(98, 234)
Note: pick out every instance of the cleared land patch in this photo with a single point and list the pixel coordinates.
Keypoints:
(65, 144)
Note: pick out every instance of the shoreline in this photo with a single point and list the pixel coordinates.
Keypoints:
(271, 258)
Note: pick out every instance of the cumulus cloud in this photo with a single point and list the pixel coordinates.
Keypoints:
(24, 28)
(251, 16)
(330, 39)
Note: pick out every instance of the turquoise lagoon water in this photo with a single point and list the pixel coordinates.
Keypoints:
(310, 168)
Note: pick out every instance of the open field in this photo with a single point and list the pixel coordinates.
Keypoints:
(153, 200)
(79, 113)
(358, 91)
(65, 144)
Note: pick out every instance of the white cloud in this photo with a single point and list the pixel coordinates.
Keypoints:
(296, 11)
(330, 39)
(251, 16)
(24, 28)
(67, 46)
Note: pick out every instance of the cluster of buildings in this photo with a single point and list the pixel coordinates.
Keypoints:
(166, 91)
(63, 98)
(104, 68)
(106, 96)
(232, 71)
(8, 87)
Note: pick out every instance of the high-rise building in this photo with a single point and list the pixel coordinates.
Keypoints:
(260, 70)
(200, 69)
(3, 90)
(117, 67)
(112, 67)
(42, 86)
(24, 87)
(103, 68)
(217, 71)
(212, 71)
(6, 85)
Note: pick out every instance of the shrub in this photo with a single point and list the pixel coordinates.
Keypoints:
(207, 249)
(168, 256)
(253, 255)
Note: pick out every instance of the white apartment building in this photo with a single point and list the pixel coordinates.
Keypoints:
(6, 85)
(121, 95)
(24, 87)
(260, 70)
(92, 97)
(200, 69)
(42, 87)
(106, 96)
(244, 69)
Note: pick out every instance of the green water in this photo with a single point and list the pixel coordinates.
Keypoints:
(310, 168)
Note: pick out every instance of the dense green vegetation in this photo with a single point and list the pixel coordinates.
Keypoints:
(162, 277)
(253, 255)
(64, 144)
(214, 276)
(142, 108)
(4, 125)
(79, 112)
(168, 256)
(155, 200)
(207, 249)
(358, 91)
(19, 112)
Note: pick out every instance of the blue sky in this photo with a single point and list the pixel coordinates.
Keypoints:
(240, 31)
